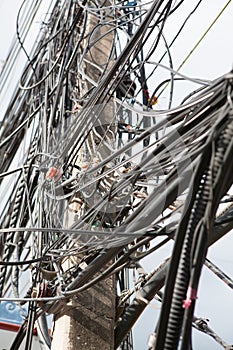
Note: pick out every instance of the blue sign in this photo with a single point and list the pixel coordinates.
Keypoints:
(11, 313)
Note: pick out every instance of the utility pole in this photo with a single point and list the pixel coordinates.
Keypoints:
(88, 320)
(94, 178)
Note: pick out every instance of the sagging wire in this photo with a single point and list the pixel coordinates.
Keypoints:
(66, 136)
(200, 40)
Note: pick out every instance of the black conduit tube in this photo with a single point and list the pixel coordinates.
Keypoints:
(183, 274)
(170, 327)
(222, 181)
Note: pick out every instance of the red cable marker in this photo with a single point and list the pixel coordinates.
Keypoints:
(53, 174)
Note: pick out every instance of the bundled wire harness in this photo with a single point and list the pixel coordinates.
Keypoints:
(95, 176)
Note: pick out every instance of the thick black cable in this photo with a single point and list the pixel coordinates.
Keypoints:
(173, 332)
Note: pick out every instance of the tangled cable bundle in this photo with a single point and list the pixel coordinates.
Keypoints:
(95, 175)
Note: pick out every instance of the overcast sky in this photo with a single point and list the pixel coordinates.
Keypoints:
(212, 58)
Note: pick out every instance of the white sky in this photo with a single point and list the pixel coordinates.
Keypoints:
(212, 58)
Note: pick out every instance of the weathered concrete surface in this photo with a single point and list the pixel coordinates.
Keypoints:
(87, 322)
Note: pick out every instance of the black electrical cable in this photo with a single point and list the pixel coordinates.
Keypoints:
(19, 38)
(63, 134)
(183, 274)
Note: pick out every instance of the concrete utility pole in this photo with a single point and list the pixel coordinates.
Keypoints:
(87, 322)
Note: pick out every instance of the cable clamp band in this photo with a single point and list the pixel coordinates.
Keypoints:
(191, 295)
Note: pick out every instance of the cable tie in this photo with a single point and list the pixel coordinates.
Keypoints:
(191, 295)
